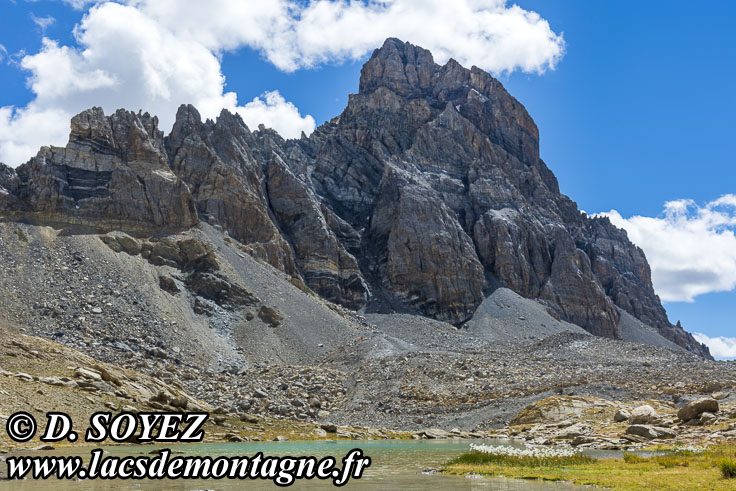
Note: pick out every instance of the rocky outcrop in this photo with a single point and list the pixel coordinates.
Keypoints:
(218, 161)
(423, 196)
(460, 134)
(8, 179)
(113, 174)
(192, 257)
(241, 182)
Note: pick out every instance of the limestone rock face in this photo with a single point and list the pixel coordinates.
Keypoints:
(463, 137)
(217, 159)
(113, 174)
(423, 256)
(423, 196)
(327, 266)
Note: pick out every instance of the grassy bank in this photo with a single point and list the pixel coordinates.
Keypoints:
(714, 468)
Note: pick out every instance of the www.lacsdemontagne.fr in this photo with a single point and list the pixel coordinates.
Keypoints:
(283, 471)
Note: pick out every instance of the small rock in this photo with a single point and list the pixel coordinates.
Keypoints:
(249, 418)
(621, 416)
(578, 429)
(707, 419)
(329, 427)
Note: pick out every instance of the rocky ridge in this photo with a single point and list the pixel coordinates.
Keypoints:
(422, 197)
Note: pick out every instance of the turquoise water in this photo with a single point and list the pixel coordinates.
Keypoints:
(395, 465)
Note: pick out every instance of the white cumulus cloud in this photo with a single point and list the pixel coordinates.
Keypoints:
(691, 248)
(273, 110)
(721, 347)
(23, 131)
(157, 54)
(487, 33)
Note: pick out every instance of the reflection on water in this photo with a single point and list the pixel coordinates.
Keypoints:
(395, 465)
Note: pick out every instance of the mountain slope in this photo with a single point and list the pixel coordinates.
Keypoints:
(425, 195)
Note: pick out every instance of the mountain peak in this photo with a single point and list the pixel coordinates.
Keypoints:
(423, 196)
(400, 66)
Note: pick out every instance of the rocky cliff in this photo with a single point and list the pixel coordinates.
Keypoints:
(423, 196)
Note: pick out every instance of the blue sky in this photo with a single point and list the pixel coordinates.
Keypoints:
(638, 111)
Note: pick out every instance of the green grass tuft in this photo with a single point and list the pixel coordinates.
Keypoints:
(632, 458)
(671, 461)
(728, 468)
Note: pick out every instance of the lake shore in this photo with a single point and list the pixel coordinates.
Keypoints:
(672, 469)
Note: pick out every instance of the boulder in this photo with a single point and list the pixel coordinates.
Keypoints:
(329, 427)
(650, 432)
(556, 409)
(694, 409)
(270, 316)
(575, 430)
(583, 440)
(643, 415)
(435, 434)
(167, 284)
(87, 373)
